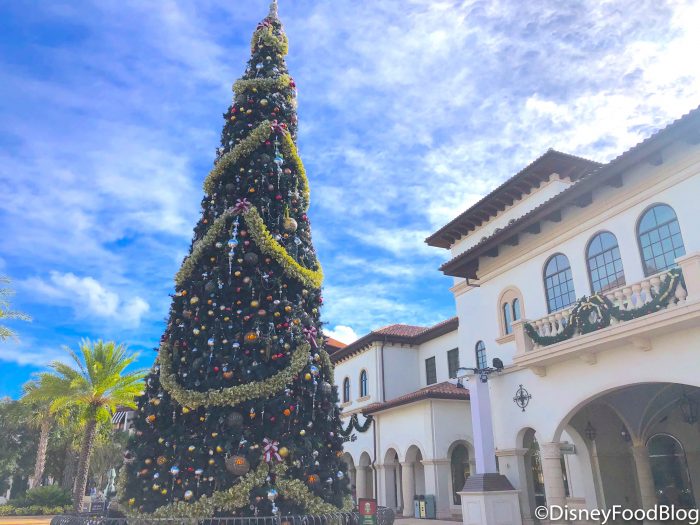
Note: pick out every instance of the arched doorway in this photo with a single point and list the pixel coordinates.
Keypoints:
(643, 443)
(533, 469)
(460, 470)
(347, 459)
(669, 468)
(364, 477)
(392, 480)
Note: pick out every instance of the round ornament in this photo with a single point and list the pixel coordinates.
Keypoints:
(251, 337)
(250, 259)
(188, 495)
(312, 479)
(162, 460)
(237, 465)
(234, 420)
(289, 224)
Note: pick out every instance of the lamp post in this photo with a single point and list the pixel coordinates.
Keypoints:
(487, 497)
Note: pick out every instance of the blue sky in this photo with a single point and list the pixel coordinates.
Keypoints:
(410, 110)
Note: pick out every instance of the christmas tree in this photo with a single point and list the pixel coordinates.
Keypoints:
(239, 414)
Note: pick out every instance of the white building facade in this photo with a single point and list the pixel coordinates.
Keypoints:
(597, 402)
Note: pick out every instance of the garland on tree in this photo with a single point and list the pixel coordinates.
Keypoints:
(354, 424)
(240, 412)
(595, 312)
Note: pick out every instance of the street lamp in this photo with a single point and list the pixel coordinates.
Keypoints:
(483, 373)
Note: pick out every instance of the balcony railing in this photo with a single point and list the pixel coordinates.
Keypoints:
(557, 336)
(657, 292)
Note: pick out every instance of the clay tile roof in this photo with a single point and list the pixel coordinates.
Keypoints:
(402, 330)
(398, 333)
(578, 194)
(522, 183)
(444, 390)
(334, 343)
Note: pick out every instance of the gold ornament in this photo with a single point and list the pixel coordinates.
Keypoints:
(289, 224)
(162, 460)
(250, 337)
(283, 451)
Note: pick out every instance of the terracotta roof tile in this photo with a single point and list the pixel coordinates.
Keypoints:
(398, 333)
(444, 390)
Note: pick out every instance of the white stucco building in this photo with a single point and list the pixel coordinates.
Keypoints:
(612, 383)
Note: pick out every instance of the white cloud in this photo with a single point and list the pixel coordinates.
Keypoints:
(342, 333)
(28, 351)
(89, 298)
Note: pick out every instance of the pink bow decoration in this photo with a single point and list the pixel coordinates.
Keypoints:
(271, 450)
(311, 334)
(278, 127)
(264, 23)
(242, 206)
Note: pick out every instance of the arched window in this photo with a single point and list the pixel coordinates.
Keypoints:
(480, 351)
(558, 283)
(660, 240)
(507, 318)
(510, 310)
(363, 383)
(604, 263)
(669, 470)
(346, 390)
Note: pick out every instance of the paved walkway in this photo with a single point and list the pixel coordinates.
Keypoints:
(415, 521)
(25, 520)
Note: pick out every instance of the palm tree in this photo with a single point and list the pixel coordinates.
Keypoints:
(5, 312)
(96, 384)
(42, 418)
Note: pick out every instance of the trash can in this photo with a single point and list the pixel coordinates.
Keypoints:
(421, 504)
(416, 507)
(429, 507)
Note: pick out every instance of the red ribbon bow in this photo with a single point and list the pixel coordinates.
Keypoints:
(242, 205)
(311, 334)
(271, 450)
(278, 127)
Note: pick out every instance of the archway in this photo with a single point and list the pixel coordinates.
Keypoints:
(392, 480)
(364, 477)
(669, 469)
(347, 458)
(412, 478)
(643, 444)
(533, 470)
(461, 458)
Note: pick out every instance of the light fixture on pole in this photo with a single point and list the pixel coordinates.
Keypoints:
(689, 409)
(590, 432)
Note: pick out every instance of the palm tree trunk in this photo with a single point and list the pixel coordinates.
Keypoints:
(84, 463)
(68, 469)
(41, 452)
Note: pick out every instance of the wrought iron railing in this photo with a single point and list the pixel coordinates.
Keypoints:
(385, 516)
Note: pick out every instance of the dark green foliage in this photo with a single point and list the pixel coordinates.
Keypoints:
(48, 496)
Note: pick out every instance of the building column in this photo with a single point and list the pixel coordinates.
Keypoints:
(437, 476)
(399, 486)
(645, 481)
(381, 487)
(408, 487)
(553, 476)
(511, 463)
(361, 481)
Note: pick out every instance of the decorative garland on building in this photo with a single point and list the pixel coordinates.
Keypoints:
(354, 424)
(593, 313)
(233, 395)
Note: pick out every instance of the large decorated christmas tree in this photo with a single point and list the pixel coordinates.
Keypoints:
(239, 415)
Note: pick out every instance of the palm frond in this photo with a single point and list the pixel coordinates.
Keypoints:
(6, 333)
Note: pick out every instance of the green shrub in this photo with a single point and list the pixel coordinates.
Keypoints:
(48, 496)
(33, 510)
